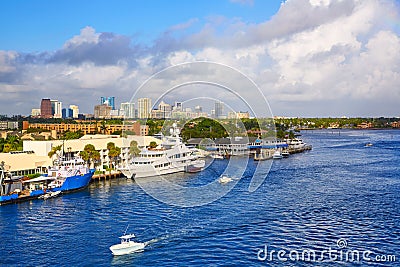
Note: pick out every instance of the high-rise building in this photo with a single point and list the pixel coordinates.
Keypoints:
(56, 108)
(198, 109)
(165, 109)
(128, 110)
(35, 112)
(102, 111)
(219, 109)
(110, 101)
(178, 106)
(75, 111)
(45, 109)
(144, 108)
(67, 113)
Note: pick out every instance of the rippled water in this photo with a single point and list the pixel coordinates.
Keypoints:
(339, 190)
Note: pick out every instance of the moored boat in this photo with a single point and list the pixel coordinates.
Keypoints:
(277, 155)
(169, 157)
(195, 166)
(66, 175)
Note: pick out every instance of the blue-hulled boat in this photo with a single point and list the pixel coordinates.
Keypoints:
(69, 175)
(66, 175)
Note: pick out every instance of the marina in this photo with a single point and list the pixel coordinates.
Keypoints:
(308, 200)
(171, 155)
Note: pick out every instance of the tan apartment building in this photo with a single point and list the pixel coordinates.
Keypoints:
(92, 128)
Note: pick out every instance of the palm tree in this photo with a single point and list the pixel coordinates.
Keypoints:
(95, 157)
(92, 153)
(15, 142)
(133, 148)
(103, 127)
(113, 152)
(54, 151)
(85, 156)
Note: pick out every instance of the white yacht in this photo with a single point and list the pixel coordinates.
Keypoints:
(170, 157)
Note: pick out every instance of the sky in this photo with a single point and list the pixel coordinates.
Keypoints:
(305, 58)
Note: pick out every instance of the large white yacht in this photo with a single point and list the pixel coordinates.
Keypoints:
(169, 157)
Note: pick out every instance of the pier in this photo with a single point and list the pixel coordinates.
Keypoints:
(299, 149)
(107, 176)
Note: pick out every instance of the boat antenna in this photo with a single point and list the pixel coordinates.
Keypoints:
(126, 229)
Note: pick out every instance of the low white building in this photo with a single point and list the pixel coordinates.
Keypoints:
(73, 147)
(24, 163)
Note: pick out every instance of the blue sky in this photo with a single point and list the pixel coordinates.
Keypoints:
(308, 57)
(34, 26)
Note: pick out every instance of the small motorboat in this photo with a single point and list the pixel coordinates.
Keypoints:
(368, 144)
(277, 155)
(195, 166)
(224, 179)
(285, 153)
(126, 246)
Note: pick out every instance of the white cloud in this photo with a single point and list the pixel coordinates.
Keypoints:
(87, 35)
(311, 51)
(6, 61)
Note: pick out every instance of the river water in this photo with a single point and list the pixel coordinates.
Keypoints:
(335, 201)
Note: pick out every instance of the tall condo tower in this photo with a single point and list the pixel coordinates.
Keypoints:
(144, 108)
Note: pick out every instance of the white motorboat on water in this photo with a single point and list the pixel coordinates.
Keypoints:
(224, 179)
(368, 144)
(277, 155)
(170, 156)
(126, 246)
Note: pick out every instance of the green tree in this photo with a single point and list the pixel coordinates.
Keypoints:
(113, 152)
(2, 143)
(153, 144)
(6, 148)
(54, 151)
(133, 148)
(84, 155)
(14, 143)
(92, 154)
(72, 135)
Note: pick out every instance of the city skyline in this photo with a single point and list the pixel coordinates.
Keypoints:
(309, 58)
(50, 108)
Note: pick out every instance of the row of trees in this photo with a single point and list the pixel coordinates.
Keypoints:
(91, 155)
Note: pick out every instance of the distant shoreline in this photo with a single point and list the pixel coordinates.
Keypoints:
(361, 129)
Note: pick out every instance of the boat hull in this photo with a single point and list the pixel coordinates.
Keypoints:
(126, 248)
(150, 171)
(75, 183)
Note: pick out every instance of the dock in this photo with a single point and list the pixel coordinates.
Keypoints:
(106, 176)
(299, 150)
